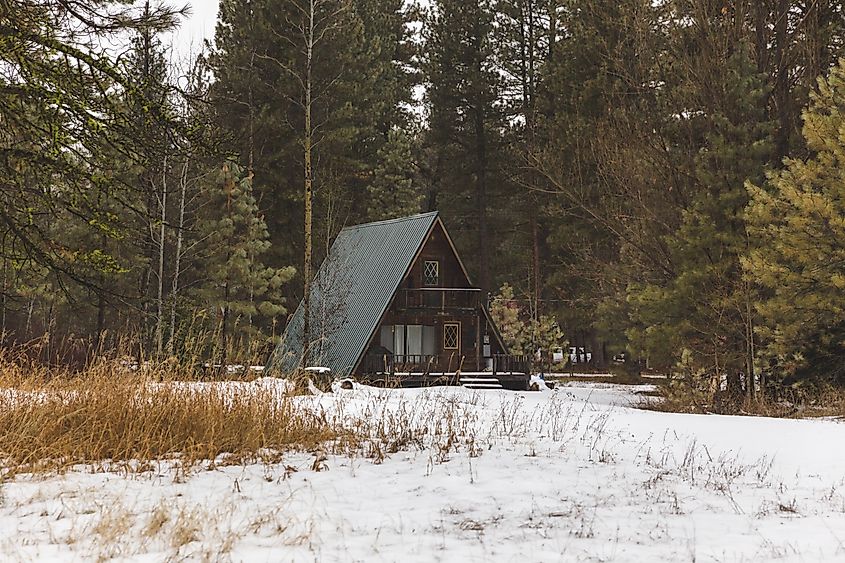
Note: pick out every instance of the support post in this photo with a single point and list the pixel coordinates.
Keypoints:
(478, 341)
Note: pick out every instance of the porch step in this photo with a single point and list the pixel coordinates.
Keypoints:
(480, 383)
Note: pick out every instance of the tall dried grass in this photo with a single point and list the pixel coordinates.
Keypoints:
(777, 401)
(50, 419)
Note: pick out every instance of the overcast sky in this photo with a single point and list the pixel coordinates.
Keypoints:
(188, 38)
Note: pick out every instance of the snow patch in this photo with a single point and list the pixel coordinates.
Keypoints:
(568, 474)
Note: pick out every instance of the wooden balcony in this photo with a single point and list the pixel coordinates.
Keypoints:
(426, 364)
(511, 364)
(439, 298)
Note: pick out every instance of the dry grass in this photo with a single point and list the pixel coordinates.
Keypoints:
(783, 402)
(116, 419)
(51, 420)
(812, 401)
(159, 517)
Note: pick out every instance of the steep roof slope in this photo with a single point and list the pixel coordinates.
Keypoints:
(352, 290)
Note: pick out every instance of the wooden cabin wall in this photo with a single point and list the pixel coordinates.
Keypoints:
(474, 324)
(437, 248)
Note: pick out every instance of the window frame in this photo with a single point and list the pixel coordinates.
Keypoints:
(457, 326)
(425, 277)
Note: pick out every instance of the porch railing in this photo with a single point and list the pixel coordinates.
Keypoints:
(427, 364)
(507, 363)
(439, 298)
(411, 363)
(419, 363)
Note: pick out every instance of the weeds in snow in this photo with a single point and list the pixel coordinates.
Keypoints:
(211, 427)
(125, 423)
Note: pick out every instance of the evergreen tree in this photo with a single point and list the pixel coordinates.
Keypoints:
(238, 290)
(392, 192)
(600, 142)
(65, 124)
(386, 29)
(360, 83)
(797, 216)
(506, 314)
(706, 306)
(150, 107)
(522, 332)
(465, 120)
(524, 35)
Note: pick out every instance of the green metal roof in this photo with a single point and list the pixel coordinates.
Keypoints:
(350, 293)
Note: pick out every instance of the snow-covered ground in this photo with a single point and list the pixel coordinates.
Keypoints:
(574, 474)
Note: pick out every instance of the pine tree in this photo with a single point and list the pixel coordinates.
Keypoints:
(522, 332)
(386, 29)
(238, 289)
(524, 36)
(706, 307)
(150, 107)
(599, 139)
(797, 215)
(391, 192)
(69, 132)
(505, 312)
(464, 120)
(360, 82)
(648, 146)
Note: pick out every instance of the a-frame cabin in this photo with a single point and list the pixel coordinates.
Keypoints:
(393, 303)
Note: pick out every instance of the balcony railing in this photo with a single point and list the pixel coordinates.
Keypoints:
(441, 298)
(408, 363)
(507, 363)
(443, 363)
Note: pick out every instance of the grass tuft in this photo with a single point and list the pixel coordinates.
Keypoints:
(50, 421)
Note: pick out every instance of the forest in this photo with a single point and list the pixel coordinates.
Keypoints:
(660, 177)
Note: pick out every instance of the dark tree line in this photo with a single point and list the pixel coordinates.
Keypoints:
(625, 166)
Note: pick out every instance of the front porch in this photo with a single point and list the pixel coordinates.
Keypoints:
(422, 370)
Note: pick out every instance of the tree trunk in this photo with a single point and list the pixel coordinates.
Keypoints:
(29, 311)
(177, 259)
(749, 343)
(597, 358)
(101, 306)
(535, 262)
(224, 324)
(224, 330)
(815, 41)
(481, 177)
(306, 272)
(251, 124)
(3, 301)
(523, 60)
(101, 323)
(761, 43)
(531, 66)
(481, 200)
(782, 95)
(552, 33)
(147, 186)
(161, 236)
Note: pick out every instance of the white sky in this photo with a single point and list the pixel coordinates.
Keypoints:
(187, 39)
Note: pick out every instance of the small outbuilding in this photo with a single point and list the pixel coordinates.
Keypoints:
(394, 304)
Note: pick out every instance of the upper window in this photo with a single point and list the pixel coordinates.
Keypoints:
(431, 272)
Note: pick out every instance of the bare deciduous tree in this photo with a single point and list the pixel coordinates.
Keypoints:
(310, 25)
